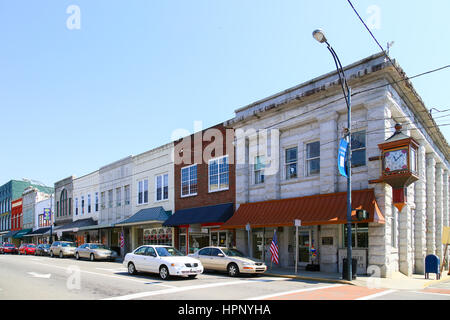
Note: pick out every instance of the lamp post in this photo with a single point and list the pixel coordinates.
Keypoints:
(320, 37)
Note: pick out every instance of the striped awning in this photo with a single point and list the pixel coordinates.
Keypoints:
(312, 210)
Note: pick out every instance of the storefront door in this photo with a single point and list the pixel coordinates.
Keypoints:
(304, 246)
(258, 244)
(219, 239)
(183, 242)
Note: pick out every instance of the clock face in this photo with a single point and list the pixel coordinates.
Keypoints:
(396, 160)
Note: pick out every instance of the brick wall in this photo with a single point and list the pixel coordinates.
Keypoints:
(204, 197)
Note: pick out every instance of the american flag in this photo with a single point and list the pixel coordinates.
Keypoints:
(274, 248)
(122, 242)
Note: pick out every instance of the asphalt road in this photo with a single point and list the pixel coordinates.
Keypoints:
(45, 278)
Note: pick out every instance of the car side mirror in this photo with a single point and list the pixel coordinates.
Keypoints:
(220, 255)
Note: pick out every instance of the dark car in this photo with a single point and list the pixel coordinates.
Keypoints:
(42, 250)
(9, 248)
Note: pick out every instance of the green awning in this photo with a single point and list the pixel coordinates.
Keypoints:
(21, 233)
(95, 227)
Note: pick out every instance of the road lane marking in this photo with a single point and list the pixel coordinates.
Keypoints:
(435, 293)
(39, 275)
(175, 290)
(109, 275)
(376, 295)
(293, 291)
(113, 270)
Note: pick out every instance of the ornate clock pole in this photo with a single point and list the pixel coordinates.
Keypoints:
(399, 165)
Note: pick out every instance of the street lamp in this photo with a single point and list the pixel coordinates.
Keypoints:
(320, 37)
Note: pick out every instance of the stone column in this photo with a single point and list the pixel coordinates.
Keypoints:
(431, 206)
(420, 244)
(328, 152)
(445, 198)
(439, 209)
(405, 241)
(242, 168)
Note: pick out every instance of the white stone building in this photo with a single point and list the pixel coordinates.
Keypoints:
(300, 163)
(152, 199)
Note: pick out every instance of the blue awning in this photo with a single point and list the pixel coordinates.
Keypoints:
(11, 234)
(21, 233)
(149, 215)
(210, 214)
(38, 232)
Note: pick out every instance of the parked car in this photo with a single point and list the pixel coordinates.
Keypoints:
(230, 260)
(62, 249)
(8, 248)
(95, 251)
(27, 248)
(42, 250)
(164, 260)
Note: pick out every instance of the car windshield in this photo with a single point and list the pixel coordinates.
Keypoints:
(8, 245)
(168, 251)
(233, 253)
(31, 246)
(99, 246)
(68, 244)
(46, 246)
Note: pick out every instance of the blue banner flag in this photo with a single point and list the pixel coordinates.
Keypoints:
(342, 157)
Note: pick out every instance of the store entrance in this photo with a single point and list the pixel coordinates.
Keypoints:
(219, 238)
(304, 246)
(258, 244)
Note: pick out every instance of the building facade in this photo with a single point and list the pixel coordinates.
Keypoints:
(286, 151)
(205, 189)
(64, 208)
(152, 198)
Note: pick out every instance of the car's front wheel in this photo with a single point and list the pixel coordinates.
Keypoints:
(131, 268)
(51, 254)
(77, 256)
(61, 254)
(233, 270)
(92, 257)
(164, 272)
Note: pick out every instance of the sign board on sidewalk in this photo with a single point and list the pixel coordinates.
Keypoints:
(446, 235)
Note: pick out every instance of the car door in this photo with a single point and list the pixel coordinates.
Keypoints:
(151, 262)
(138, 258)
(217, 259)
(82, 251)
(205, 257)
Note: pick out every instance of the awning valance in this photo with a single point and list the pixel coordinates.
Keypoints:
(74, 226)
(11, 233)
(21, 233)
(209, 214)
(148, 215)
(312, 210)
(37, 232)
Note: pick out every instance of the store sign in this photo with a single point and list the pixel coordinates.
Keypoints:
(47, 214)
(359, 254)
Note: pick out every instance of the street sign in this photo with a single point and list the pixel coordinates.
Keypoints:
(297, 223)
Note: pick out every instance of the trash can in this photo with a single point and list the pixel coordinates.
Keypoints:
(354, 268)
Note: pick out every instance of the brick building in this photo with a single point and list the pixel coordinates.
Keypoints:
(204, 178)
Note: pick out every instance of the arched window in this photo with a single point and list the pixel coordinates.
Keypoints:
(63, 203)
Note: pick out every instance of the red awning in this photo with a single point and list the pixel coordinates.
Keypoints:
(313, 210)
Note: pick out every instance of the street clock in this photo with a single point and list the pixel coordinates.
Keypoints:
(399, 165)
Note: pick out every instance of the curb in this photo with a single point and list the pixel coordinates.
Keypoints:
(310, 278)
(444, 278)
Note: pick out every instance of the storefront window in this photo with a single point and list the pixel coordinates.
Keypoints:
(162, 236)
(360, 233)
(198, 241)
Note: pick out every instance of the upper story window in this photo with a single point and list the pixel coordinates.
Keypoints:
(313, 158)
(258, 169)
(63, 203)
(110, 198)
(76, 206)
(162, 187)
(359, 149)
(82, 204)
(96, 201)
(291, 156)
(89, 204)
(189, 181)
(218, 174)
(103, 200)
(142, 191)
(127, 192)
(118, 197)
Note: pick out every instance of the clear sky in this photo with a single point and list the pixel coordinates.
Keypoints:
(77, 94)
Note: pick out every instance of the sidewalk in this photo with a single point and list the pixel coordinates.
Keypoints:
(398, 280)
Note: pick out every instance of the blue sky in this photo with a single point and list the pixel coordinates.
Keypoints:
(72, 100)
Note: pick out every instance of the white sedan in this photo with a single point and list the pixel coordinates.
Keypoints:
(164, 260)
